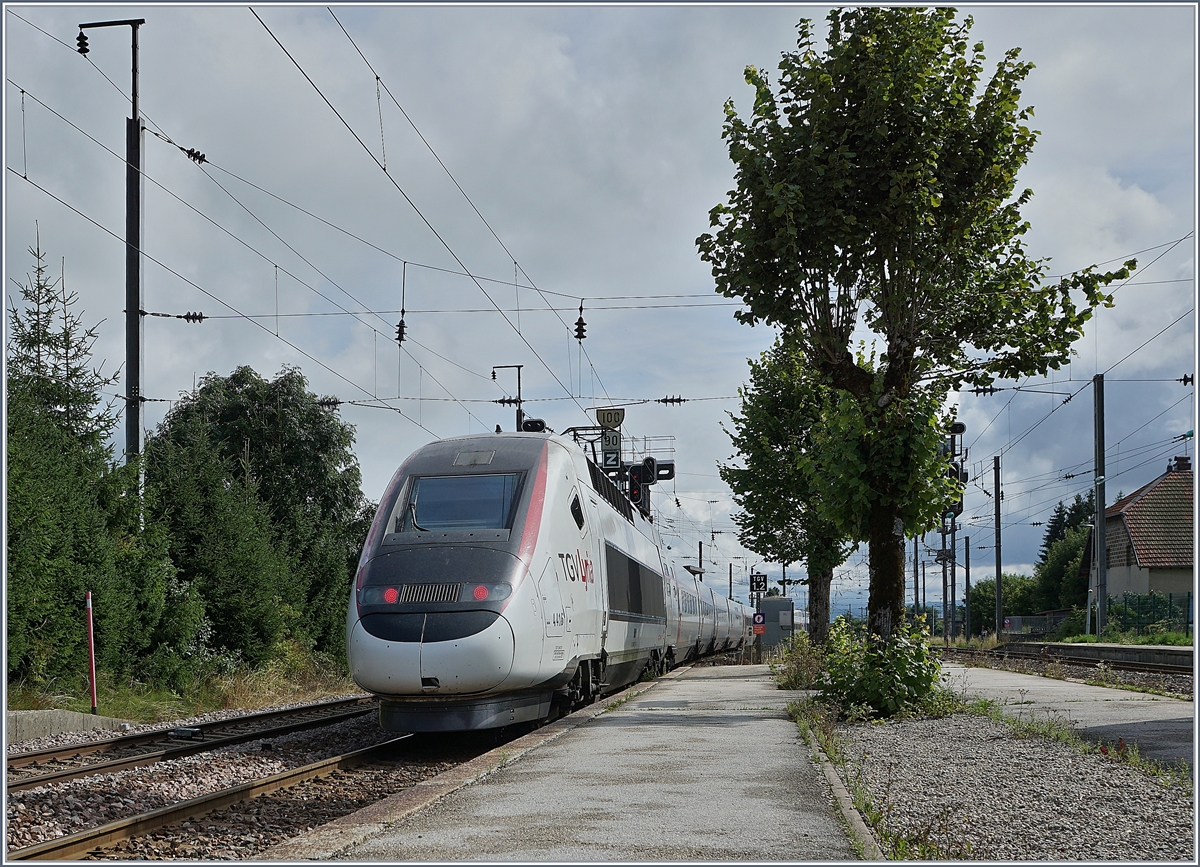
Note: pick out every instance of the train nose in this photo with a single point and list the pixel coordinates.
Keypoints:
(450, 653)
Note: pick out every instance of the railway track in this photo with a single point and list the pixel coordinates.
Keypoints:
(1014, 652)
(74, 846)
(33, 769)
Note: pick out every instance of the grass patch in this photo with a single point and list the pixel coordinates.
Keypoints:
(293, 674)
(1170, 639)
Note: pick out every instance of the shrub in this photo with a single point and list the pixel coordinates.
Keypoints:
(801, 663)
(887, 677)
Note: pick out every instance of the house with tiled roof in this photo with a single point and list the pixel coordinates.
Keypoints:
(1149, 537)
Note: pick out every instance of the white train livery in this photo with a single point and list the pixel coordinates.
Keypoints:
(507, 579)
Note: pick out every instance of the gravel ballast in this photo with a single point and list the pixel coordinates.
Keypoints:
(972, 789)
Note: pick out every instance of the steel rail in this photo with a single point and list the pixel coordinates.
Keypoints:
(19, 760)
(74, 845)
(179, 752)
(1123, 665)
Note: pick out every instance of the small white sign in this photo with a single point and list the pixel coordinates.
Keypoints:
(610, 441)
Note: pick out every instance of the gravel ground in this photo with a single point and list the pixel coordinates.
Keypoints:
(243, 830)
(972, 790)
(57, 809)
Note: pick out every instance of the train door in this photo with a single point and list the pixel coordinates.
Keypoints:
(553, 615)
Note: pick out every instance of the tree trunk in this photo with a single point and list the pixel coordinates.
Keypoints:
(818, 605)
(885, 547)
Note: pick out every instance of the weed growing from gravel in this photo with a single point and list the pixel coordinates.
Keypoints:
(1055, 728)
(816, 720)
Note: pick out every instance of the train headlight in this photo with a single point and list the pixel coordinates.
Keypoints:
(486, 592)
(377, 595)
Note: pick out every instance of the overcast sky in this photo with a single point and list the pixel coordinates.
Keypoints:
(588, 138)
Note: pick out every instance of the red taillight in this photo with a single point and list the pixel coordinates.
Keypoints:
(391, 595)
(480, 593)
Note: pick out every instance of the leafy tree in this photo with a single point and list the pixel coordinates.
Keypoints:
(1064, 518)
(1020, 594)
(72, 517)
(875, 191)
(273, 474)
(1062, 548)
(774, 489)
(221, 539)
(1060, 571)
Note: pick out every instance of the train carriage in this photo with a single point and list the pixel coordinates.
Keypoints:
(505, 578)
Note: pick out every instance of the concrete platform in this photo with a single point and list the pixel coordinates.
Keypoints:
(1163, 728)
(25, 725)
(703, 766)
(1157, 654)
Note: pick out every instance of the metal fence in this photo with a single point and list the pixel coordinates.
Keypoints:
(1148, 613)
(1033, 627)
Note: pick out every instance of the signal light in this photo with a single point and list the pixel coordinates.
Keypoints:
(81, 39)
(390, 595)
(580, 325)
(480, 593)
(635, 485)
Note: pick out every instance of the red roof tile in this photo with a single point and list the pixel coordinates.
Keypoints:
(1159, 517)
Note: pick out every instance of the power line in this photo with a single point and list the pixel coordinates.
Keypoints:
(256, 251)
(205, 292)
(412, 204)
(1157, 335)
(469, 201)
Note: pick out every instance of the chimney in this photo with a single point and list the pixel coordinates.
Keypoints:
(1183, 464)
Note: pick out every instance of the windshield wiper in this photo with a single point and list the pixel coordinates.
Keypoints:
(412, 511)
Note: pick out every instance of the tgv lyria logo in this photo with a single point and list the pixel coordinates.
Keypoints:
(576, 567)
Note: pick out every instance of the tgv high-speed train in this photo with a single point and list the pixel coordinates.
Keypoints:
(507, 579)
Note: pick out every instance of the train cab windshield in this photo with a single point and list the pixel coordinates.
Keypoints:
(468, 502)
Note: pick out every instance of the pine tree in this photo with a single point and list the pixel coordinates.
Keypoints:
(49, 357)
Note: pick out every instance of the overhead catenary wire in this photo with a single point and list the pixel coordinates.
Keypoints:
(209, 294)
(250, 247)
(412, 204)
(450, 175)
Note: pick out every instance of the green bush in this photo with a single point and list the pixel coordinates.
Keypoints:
(801, 663)
(863, 672)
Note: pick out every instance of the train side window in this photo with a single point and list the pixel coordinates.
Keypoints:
(577, 512)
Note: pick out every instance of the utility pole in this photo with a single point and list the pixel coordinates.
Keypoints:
(999, 592)
(953, 577)
(916, 579)
(967, 592)
(945, 594)
(700, 560)
(731, 581)
(923, 606)
(133, 248)
(1100, 532)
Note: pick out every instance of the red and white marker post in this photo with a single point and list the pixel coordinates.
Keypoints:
(91, 650)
